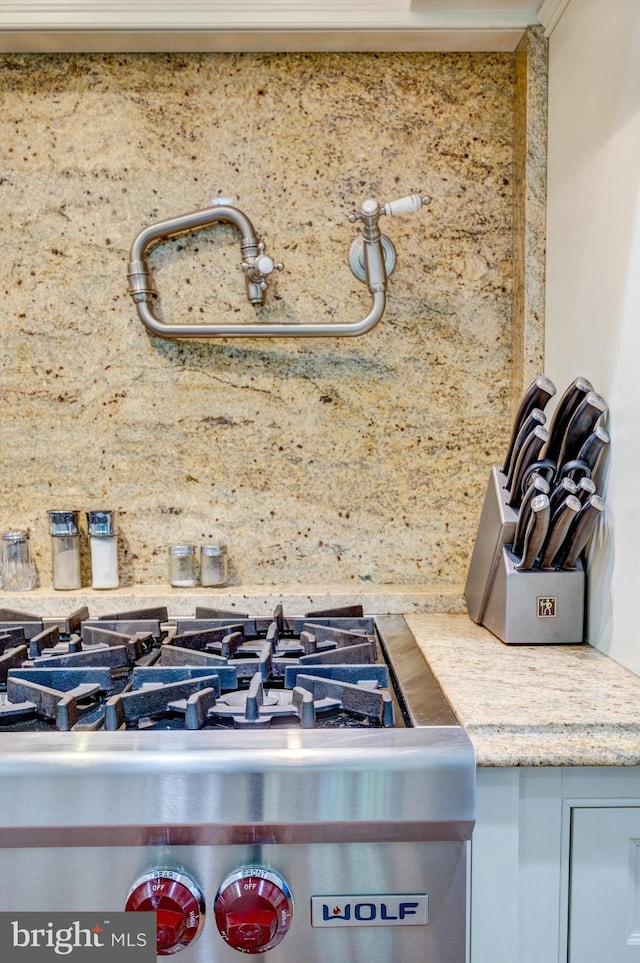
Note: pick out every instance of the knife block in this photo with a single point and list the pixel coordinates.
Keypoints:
(496, 528)
(536, 607)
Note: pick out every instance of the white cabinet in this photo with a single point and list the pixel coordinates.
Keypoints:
(555, 866)
(604, 874)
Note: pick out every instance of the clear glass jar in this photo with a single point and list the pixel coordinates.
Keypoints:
(103, 542)
(65, 550)
(182, 566)
(18, 569)
(213, 565)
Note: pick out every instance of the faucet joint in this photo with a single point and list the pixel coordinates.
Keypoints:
(257, 267)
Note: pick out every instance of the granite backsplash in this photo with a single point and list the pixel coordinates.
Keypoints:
(343, 461)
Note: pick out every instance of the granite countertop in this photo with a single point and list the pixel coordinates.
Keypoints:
(533, 705)
(521, 705)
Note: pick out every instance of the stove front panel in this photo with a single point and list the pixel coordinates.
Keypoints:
(373, 882)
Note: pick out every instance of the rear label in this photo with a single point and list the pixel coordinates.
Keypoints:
(410, 909)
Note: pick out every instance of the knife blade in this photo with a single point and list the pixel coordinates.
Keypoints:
(536, 396)
(581, 531)
(529, 452)
(537, 526)
(562, 415)
(559, 526)
(583, 422)
(535, 417)
(537, 486)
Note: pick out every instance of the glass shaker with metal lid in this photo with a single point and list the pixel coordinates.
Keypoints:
(18, 569)
(65, 549)
(213, 565)
(103, 542)
(182, 566)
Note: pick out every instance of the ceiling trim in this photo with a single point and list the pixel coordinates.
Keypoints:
(550, 13)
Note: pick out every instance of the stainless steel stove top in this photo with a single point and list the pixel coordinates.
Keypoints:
(129, 698)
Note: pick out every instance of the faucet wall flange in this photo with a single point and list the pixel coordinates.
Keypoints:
(357, 257)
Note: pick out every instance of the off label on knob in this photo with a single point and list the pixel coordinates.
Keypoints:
(253, 910)
(178, 904)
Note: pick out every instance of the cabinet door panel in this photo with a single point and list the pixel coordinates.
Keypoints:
(605, 885)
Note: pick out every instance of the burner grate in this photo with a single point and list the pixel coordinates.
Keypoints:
(137, 670)
(60, 695)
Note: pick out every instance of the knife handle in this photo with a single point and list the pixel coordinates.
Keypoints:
(582, 423)
(581, 531)
(538, 486)
(528, 454)
(534, 418)
(593, 447)
(562, 415)
(565, 487)
(536, 396)
(535, 534)
(586, 488)
(559, 525)
(570, 468)
(543, 468)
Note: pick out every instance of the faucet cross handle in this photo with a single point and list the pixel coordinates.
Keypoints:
(264, 264)
(257, 269)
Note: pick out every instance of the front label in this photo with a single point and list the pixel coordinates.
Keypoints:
(546, 607)
(391, 910)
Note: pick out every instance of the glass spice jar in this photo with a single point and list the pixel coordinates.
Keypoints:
(182, 566)
(18, 568)
(213, 565)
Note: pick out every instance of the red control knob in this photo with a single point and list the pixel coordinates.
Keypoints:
(177, 902)
(253, 909)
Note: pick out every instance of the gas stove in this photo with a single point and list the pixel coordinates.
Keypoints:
(140, 670)
(302, 777)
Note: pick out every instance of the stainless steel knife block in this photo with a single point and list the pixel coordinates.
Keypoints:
(537, 607)
(496, 528)
(526, 608)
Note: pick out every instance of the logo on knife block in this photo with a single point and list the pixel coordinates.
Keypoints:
(546, 607)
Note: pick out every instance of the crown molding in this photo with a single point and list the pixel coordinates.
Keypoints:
(550, 13)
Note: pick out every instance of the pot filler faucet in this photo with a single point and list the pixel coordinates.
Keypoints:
(372, 258)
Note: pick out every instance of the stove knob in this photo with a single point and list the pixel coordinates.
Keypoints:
(178, 903)
(253, 909)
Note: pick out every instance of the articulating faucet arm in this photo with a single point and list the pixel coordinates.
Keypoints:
(372, 258)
